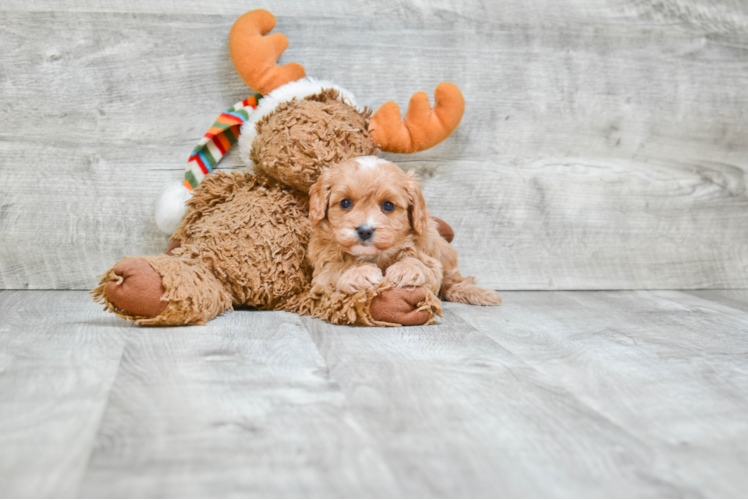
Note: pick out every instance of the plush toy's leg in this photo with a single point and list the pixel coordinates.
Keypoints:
(384, 305)
(162, 290)
(135, 287)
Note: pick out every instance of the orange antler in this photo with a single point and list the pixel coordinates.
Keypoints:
(254, 55)
(423, 126)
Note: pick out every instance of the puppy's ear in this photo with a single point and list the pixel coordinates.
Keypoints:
(319, 197)
(419, 214)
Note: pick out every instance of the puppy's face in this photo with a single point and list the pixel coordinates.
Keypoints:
(370, 205)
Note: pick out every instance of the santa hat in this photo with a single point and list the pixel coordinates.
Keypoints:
(238, 123)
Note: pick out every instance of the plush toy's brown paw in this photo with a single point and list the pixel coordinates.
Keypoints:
(399, 305)
(383, 305)
(445, 230)
(173, 246)
(137, 289)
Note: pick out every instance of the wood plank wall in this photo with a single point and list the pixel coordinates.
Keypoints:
(603, 144)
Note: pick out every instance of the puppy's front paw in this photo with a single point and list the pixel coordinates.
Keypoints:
(407, 273)
(360, 278)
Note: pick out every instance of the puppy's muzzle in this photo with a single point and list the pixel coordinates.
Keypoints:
(365, 232)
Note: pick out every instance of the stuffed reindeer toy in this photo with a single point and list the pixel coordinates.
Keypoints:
(241, 239)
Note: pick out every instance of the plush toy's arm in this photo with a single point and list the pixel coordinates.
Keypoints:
(406, 306)
(383, 305)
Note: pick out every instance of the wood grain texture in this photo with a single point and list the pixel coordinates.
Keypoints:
(667, 367)
(725, 15)
(602, 145)
(554, 394)
(737, 299)
(243, 407)
(58, 359)
(457, 415)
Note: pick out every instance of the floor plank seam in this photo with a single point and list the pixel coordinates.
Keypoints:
(305, 322)
(101, 418)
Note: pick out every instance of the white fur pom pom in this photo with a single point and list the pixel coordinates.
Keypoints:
(170, 206)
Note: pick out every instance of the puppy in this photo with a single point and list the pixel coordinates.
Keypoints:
(370, 224)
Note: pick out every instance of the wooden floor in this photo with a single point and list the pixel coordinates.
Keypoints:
(634, 394)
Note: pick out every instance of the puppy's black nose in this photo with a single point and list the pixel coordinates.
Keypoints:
(364, 232)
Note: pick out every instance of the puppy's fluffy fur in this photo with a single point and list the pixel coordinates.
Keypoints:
(405, 247)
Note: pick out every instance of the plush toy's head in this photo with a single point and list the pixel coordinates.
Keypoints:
(254, 56)
(296, 126)
(301, 138)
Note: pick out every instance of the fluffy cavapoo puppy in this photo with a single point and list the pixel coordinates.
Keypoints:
(371, 224)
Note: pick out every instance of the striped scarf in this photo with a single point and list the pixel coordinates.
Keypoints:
(220, 137)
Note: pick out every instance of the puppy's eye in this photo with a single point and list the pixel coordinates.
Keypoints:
(345, 203)
(388, 206)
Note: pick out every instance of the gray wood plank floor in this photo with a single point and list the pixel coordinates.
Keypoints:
(562, 394)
